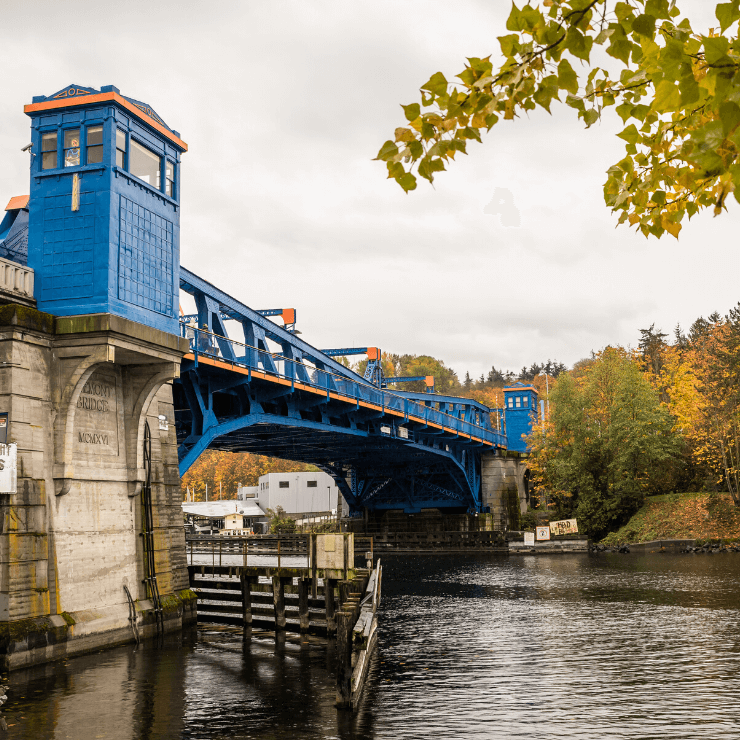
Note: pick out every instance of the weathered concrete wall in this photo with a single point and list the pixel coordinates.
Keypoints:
(78, 392)
(501, 476)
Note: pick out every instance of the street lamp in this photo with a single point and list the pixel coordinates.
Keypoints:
(547, 389)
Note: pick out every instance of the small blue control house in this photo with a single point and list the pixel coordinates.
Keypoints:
(104, 207)
(520, 409)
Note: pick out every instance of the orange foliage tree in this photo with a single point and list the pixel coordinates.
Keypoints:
(223, 472)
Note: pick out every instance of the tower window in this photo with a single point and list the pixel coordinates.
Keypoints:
(145, 164)
(284, 484)
(72, 147)
(311, 484)
(518, 401)
(511, 402)
(169, 179)
(94, 144)
(49, 151)
(120, 149)
(526, 400)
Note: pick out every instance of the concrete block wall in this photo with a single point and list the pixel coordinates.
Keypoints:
(499, 476)
(78, 395)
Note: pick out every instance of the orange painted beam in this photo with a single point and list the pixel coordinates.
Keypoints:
(318, 391)
(108, 97)
(16, 202)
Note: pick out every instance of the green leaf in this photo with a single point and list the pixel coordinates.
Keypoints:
(437, 84)
(689, 89)
(388, 151)
(667, 97)
(509, 44)
(644, 25)
(715, 48)
(578, 44)
(415, 149)
(407, 182)
(412, 112)
(729, 114)
(658, 8)
(727, 14)
(591, 116)
(567, 77)
(631, 135)
(395, 170)
(513, 22)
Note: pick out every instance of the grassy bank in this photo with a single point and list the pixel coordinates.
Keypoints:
(700, 516)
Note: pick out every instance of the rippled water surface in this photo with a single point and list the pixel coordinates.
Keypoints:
(570, 646)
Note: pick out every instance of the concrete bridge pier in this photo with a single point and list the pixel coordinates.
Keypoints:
(78, 392)
(503, 487)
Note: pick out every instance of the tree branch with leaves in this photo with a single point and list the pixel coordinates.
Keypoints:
(676, 91)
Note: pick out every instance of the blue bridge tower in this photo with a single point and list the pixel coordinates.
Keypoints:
(520, 409)
(104, 213)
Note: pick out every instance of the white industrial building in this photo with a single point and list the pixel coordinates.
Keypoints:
(231, 517)
(297, 493)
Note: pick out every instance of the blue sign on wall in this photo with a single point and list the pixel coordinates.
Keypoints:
(104, 209)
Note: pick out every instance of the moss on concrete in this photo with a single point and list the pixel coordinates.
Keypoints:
(26, 318)
(20, 630)
(68, 618)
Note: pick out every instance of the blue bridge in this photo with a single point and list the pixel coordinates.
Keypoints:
(100, 230)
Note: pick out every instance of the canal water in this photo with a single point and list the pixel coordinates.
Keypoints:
(595, 646)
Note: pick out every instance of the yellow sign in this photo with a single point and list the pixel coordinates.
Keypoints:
(564, 526)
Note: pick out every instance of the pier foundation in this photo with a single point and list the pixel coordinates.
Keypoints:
(79, 392)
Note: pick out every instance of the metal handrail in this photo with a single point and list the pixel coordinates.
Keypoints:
(333, 383)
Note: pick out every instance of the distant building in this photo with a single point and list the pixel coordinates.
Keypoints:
(236, 517)
(297, 493)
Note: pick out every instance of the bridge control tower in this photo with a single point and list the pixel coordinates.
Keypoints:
(104, 207)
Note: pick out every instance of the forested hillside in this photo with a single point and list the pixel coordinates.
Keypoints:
(626, 423)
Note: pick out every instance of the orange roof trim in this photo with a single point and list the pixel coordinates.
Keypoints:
(16, 202)
(103, 98)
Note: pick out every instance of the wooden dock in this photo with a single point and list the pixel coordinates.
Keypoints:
(336, 592)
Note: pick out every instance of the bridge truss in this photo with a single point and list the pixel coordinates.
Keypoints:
(385, 450)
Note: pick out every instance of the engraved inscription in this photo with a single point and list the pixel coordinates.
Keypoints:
(96, 418)
(91, 438)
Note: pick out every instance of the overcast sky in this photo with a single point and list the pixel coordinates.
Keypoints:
(284, 105)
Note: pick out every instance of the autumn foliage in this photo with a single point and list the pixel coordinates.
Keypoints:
(224, 472)
(627, 424)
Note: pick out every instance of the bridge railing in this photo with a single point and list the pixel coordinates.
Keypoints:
(207, 344)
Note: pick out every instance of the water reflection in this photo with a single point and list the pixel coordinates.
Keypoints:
(591, 646)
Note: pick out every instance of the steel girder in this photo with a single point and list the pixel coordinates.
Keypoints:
(385, 450)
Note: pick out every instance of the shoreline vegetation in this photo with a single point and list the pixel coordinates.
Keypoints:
(700, 516)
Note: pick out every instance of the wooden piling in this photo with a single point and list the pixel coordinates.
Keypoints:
(303, 604)
(246, 583)
(314, 567)
(344, 660)
(278, 598)
(331, 621)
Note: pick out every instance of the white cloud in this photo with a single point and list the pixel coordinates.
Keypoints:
(284, 104)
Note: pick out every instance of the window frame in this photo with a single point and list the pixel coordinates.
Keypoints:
(132, 140)
(124, 164)
(283, 484)
(166, 180)
(69, 130)
(100, 146)
(42, 134)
